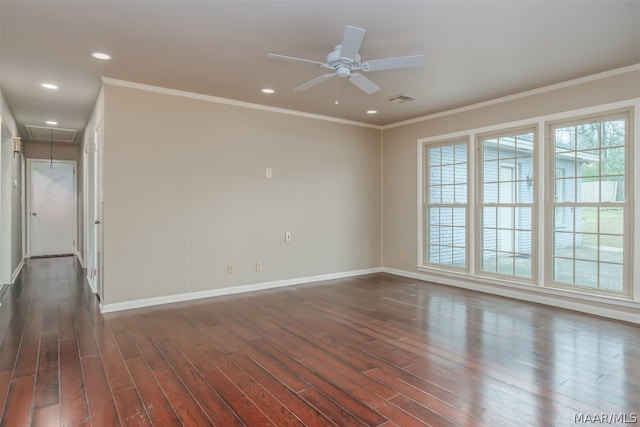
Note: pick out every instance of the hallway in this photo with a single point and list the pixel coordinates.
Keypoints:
(373, 350)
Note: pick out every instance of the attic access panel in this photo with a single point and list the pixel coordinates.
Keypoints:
(47, 134)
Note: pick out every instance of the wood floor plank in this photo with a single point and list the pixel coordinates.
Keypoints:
(130, 408)
(84, 333)
(99, 395)
(5, 382)
(144, 344)
(237, 399)
(47, 379)
(184, 405)
(112, 358)
(47, 416)
(155, 403)
(73, 404)
(19, 402)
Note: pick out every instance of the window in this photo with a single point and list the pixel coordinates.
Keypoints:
(506, 166)
(445, 204)
(591, 212)
(485, 194)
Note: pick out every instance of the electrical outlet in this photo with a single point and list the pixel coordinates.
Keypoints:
(287, 236)
(401, 254)
(258, 265)
(229, 268)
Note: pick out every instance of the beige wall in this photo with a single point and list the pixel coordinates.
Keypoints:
(400, 150)
(11, 197)
(185, 194)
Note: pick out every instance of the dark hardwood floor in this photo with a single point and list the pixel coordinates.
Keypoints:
(376, 350)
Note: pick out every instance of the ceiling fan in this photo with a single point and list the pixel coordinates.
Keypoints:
(345, 59)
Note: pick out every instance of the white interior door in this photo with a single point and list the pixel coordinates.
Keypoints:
(52, 208)
(97, 223)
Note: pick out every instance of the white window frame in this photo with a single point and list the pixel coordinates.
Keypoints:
(627, 205)
(541, 290)
(478, 188)
(424, 204)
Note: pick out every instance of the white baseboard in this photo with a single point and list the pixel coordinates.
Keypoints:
(627, 311)
(14, 276)
(148, 302)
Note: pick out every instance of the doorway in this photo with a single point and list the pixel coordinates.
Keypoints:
(51, 212)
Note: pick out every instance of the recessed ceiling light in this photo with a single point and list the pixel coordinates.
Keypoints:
(100, 55)
(49, 86)
(267, 90)
(372, 111)
(51, 122)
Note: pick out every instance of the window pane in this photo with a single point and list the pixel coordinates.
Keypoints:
(588, 136)
(588, 273)
(489, 261)
(523, 218)
(490, 239)
(434, 215)
(610, 278)
(565, 139)
(461, 193)
(611, 221)
(460, 151)
(460, 173)
(611, 249)
(505, 264)
(459, 217)
(613, 132)
(489, 150)
(435, 175)
(435, 194)
(612, 161)
(563, 270)
(434, 156)
(447, 174)
(563, 244)
(490, 193)
(448, 194)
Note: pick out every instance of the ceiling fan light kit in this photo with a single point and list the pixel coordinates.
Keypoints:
(345, 58)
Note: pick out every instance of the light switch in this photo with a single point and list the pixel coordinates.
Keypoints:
(268, 172)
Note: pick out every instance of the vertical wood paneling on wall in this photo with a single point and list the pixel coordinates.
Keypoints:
(188, 195)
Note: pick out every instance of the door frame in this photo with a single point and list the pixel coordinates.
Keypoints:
(93, 211)
(27, 220)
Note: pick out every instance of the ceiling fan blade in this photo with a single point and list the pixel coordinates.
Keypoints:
(293, 59)
(393, 63)
(364, 83)
(314, 82)
(351, 42)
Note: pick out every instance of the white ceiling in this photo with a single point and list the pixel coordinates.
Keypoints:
(475, 51)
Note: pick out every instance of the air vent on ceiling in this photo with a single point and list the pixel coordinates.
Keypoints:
(47, 134)
(400, 98)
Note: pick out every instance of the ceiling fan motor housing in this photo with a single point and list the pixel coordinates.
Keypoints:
(335, 62)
